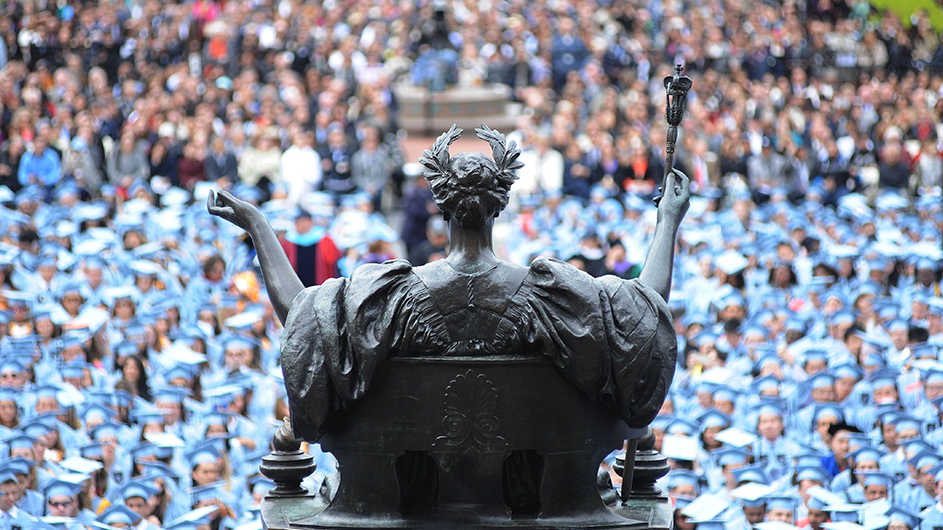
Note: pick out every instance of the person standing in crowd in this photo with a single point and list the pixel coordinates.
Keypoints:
(39, 166)
(371, 166)
(259, 163)
(221, 163)
(336, 156)
(301, 167)
(127, 163)
(894, 173)
(311, 251)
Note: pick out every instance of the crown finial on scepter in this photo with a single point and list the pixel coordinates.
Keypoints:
(676, 88)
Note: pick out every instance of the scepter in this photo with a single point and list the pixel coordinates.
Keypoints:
(677, 87)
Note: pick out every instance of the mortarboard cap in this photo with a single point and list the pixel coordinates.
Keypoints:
(813, 473)
(81, 465)
(897, 514)
(119, 514)
(765, 384)
(847, 369)
(937, 472)
(165, 440)
(820, 380)
(925, 458)
(171, 394)
(865, 453)
(828, 410)
(62, 487)
(735, 437)
(876, 478)
(206, 452)
(682, 477)
(770, 406)
(138, 488)
(108, 429)
(21, 440)
(7, 475)
(823, 497)
(159, 469)
(11, 365)
(91, 451)
(905, 422)
(752, 494)
(261, 484)
(19, 465)
(844, 513)
(713, 418)
(752, 473)
(200, 516)
(680, 447)
(781, 502)
(924, 351)
(730, 455)
(206, 493)
(731, 262)
(814, 354)
(883, 377)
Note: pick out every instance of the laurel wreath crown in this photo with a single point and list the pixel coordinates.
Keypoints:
(505, 155)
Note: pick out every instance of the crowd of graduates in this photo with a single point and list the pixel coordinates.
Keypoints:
(140, 382)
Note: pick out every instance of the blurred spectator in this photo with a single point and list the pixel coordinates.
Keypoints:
(312, 253)
(569, 51)
(834, 170)
(220, 162)
(894, 173)
(191, 168)
(260, 163)
(79, 163)
(418, 206)
(39, 165)
(11, 152)
(161, 163)
(577, 176)
(472, 67)
(371, 166)
(928, 168)
(301, 167)
(336, 155)
(543, 167)
(871, 53)
(127, 163)
(436, 243)
(767, 170)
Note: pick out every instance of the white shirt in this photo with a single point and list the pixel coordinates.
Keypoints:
(541, 172)
(301, 171)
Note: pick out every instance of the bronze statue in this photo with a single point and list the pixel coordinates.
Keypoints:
(612, 340)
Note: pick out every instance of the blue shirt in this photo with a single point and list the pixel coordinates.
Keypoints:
(45, 167)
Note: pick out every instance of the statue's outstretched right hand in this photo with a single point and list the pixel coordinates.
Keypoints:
(236, 211)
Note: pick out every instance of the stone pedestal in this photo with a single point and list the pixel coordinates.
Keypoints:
(426, 113)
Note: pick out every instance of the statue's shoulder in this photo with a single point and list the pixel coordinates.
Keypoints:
(554, 274)
(374, 274)
(553, 267)
(393, 266)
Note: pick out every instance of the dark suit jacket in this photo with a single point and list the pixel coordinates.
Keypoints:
(228, 168)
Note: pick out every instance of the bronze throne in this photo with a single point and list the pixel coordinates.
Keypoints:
(460, 442)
